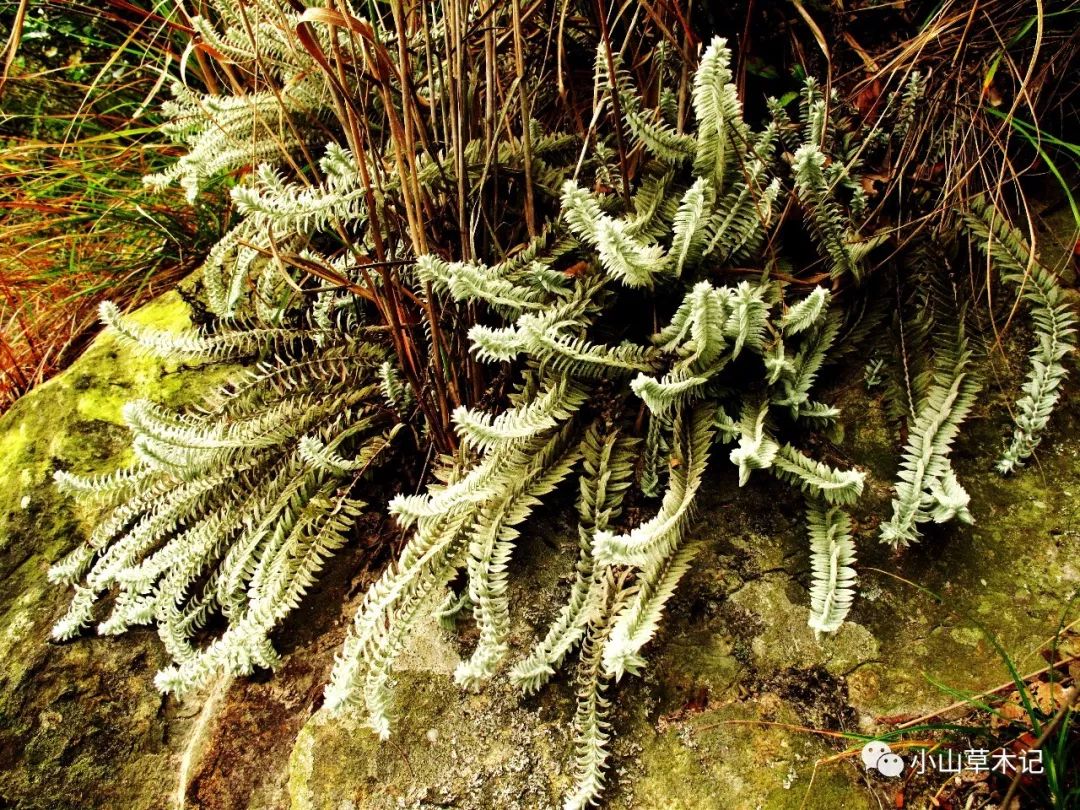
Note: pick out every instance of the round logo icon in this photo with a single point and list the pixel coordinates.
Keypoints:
(876, 755)
(890, 765)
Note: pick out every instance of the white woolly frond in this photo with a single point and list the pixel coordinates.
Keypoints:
(816, 478)
(191, 345)
(740, 220)
(656, 538)
(608, 467)
(806, 312)
(645, 125)
(824, 217)
(481, 431)
(832, 557)
(627, 260)
(561, 350)
(926, 486)
(638, 622)
(275, 204)
(396, 393)
(950, 500)
(471, 281)
(1053, 318)
(490, 545)
(722, 135)
(756, 449)
(581, 212)
(592, 731)
(688, 229)
(805, 365)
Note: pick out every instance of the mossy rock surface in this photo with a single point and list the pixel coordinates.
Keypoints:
(724, 718)
(81, 724)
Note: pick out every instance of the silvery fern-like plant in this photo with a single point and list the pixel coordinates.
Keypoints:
(231, 511)
(302, 188)
(927, 488)
(1053, 319)
(832, 560)
(554, 427)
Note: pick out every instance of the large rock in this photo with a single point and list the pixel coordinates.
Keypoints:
(729, 714)
(80, 724)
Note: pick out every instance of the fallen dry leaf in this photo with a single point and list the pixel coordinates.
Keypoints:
(576, 269)
(1011, 710)
(1048, 697)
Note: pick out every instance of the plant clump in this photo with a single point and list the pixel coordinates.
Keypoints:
(639, 333)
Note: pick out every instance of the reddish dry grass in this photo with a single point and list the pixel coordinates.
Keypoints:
(75, 224)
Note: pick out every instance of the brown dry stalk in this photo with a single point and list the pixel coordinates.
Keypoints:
(523, 98)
